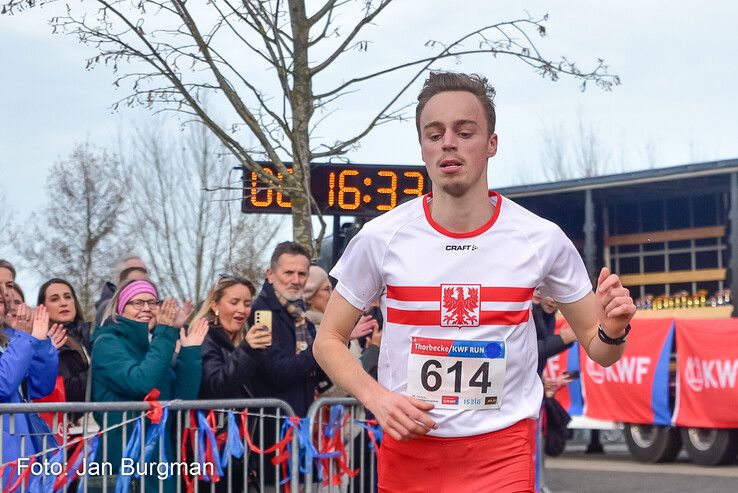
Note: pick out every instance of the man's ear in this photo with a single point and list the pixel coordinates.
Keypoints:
(492, 145)
(269, 275)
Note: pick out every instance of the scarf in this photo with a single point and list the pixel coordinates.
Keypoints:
(303, 339)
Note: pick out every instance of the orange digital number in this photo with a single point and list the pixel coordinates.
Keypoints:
(343, 190)
(280, 198)
(269, 192)
(391, 191)
(331, 189)
(421, 182)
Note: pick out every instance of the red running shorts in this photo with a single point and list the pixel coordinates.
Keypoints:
(501, 461)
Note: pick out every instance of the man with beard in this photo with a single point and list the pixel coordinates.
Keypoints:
(288, 370)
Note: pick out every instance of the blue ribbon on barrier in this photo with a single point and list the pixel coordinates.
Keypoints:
(286, 425)
(133, 449)
(92, 450)
(374, 429)
(91, 455)
(233, 445)
(335, 417)
(308, 452)
(157, 433)
(205, 433)
(44, 483)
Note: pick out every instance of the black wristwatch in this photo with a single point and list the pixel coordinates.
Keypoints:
(609, 340)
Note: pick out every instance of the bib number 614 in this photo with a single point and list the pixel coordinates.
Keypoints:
(431, 379)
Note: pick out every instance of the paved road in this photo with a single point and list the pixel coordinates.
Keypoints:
(615, 472)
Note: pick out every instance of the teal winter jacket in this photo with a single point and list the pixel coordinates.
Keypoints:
(126, 366)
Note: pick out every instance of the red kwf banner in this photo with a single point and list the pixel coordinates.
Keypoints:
(707, 373)
(636, 388)
(569, 396)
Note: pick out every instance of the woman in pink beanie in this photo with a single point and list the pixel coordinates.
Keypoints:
(132, 354)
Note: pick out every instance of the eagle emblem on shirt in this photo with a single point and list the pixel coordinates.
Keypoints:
(460, 305)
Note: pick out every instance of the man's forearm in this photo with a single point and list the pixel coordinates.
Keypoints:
(604, 354)
(344, 369)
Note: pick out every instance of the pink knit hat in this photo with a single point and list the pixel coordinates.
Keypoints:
(134, 289)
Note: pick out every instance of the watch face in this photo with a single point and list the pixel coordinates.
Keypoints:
(340, 189)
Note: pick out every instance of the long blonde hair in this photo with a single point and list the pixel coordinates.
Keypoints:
(216, 293)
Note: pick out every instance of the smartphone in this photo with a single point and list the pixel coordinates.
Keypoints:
(264, 317)
(572, 374)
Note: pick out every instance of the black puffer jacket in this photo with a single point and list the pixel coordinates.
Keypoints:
(74, 361)
(227, 370)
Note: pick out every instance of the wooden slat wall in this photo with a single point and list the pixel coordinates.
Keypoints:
(661, 236)
(673, 277)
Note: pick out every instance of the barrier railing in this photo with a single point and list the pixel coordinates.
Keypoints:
(191, 451)
(229, 445)
(344, 442)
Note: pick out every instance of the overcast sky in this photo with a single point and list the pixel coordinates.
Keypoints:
(677, 103)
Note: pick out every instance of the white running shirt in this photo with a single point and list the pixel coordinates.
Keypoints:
(458, 331)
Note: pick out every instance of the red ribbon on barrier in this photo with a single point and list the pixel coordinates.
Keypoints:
(277, 447)
(155, 413)
(62, 479)
(189, 431)
(281, 454)
(11, 488)
(335, 444)
(372, 422)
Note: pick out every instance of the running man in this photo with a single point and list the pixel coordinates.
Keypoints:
(458, 392)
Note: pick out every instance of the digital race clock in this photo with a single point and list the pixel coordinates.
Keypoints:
(341, 189)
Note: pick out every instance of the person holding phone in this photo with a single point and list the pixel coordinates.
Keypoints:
(231, 351)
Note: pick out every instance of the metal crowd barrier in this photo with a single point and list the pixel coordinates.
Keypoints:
(356, 456)
(340, 455)
(260, 412)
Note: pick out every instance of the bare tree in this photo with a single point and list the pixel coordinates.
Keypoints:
(554, 159)
(649, 152)
(189, 234)
(76, 236)
(272, 65)
(5, 215)
(590, 152)
(564, 157)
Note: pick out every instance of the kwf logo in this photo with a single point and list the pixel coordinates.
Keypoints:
(460, 305)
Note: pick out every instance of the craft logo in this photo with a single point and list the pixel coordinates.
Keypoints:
(449, 399)
(702, 374)
(460, 305)
(461, 248)
(490, 401)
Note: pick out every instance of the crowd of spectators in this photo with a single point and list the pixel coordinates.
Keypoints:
(140, 342)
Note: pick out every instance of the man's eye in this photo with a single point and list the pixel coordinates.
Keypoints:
(465, 135)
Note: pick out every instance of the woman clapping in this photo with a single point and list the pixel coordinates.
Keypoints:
(132, 354)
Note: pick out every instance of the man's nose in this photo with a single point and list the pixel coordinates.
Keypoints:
(449, 140)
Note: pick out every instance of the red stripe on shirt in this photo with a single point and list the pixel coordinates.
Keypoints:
(433, 317)
(433, 293)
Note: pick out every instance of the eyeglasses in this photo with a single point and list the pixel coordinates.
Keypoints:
(139, 304)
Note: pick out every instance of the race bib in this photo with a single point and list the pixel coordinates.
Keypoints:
(454, 374)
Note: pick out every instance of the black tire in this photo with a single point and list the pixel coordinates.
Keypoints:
(652, 443)
(710, 446)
